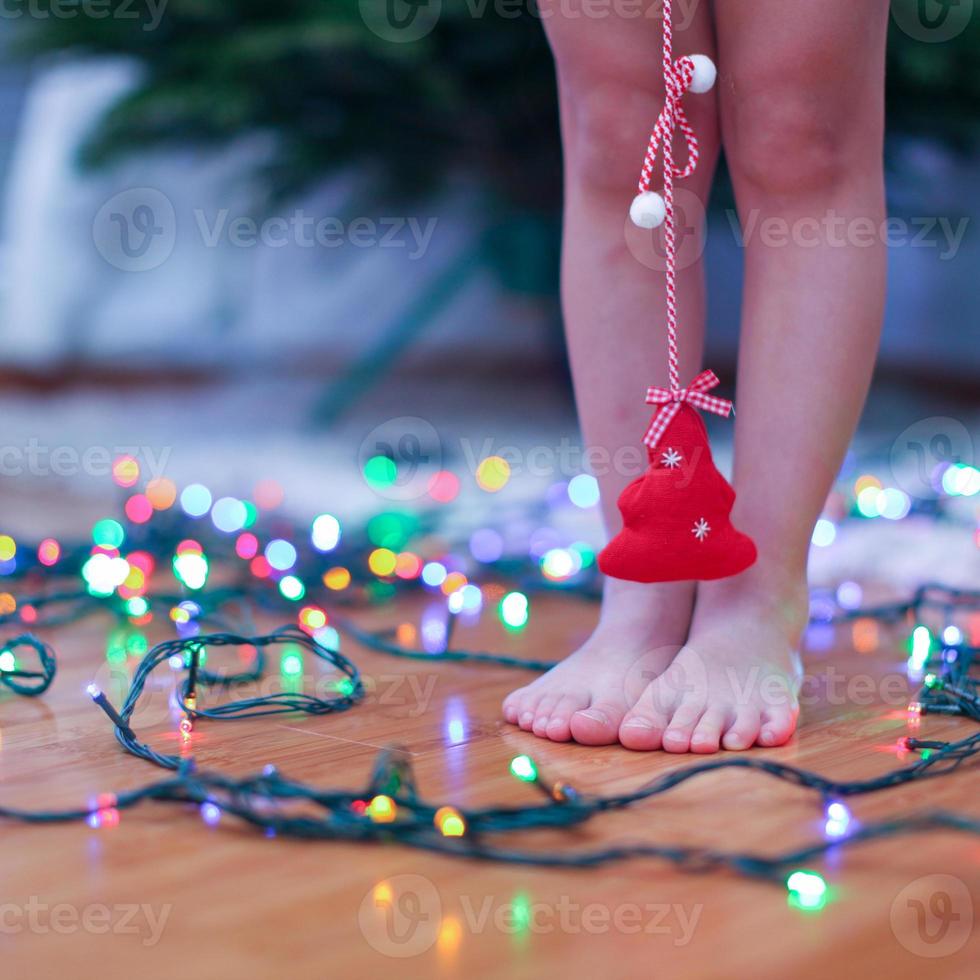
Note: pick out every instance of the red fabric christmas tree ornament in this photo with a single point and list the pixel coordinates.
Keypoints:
(676, 522)
(676, 517)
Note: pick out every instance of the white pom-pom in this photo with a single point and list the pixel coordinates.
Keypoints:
(705, 74)
(648, 210)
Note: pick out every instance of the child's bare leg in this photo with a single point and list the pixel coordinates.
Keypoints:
(611, 93)
(801, 99)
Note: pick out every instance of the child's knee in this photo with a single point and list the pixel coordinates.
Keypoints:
(607, 119)
(612, 90)
(606, 123)
(798, 128)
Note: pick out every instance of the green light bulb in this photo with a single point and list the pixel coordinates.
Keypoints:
(523, 767)
(807, 890)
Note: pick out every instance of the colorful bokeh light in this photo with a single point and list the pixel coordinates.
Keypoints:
(138, 508)
(380, 472)
(195, 500)
(48, 552)
(125, 471)
(280, 554)
(162, 493)
(514, 610)
(583, 490)
(493, 473)
(336, 578)
(444, 487)
(325, 532)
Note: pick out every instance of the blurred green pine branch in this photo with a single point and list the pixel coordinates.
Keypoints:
(934, 88)
(475, 95)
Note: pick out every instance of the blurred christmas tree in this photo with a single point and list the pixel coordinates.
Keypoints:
(475, 94)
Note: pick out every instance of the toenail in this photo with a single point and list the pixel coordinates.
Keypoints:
(595, 716)
(673, 736)
(527, 718)
(637, 723)
(767, 738)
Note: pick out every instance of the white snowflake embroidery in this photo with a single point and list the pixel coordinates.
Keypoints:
(671, 458)
(701, 529)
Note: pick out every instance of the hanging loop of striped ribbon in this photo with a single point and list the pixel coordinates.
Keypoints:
(689, 73)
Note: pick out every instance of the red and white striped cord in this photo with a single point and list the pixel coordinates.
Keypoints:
(695, 73)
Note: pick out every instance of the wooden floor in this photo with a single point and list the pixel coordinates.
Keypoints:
(225, 902)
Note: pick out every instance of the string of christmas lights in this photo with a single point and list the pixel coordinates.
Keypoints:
(390, 807)
(190, 652)
(367, 566)
(28, 683)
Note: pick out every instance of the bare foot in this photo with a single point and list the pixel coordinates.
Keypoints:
(587, 695)
(735, 682)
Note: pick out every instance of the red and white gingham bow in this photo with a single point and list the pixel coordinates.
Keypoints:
(671, 400)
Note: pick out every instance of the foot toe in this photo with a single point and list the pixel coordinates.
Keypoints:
(778, 725)
(598, 724)
(707, 733)
(643, 727)
(514, 704)
(644, 724)
(527, 711)
(559, 728)
(542, 715)
(743, 731)
(677, 737)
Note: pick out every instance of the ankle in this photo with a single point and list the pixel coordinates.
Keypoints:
(766, 589)
(626, 600)
(645, 608)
